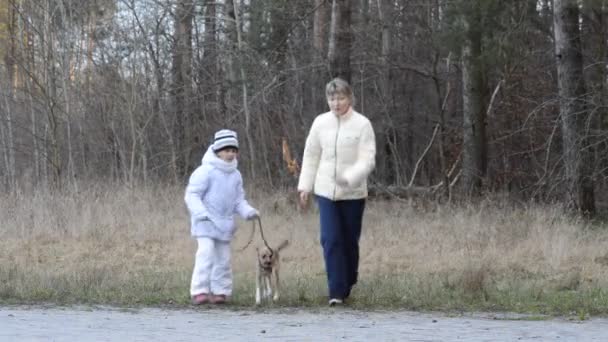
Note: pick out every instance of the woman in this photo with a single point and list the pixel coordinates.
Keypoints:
(339, 155)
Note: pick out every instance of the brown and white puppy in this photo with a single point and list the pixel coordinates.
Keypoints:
(267, 273)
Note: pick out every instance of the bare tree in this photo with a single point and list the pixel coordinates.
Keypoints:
(244, 88)
(182, 84)
(595, 58)
(210, 69)
(12, 79)
(573, 111)
(340, 40)
(474, 159)
(125, 89)
(320, 26)
(49, 87)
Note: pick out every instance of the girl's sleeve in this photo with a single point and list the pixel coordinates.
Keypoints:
(196, 189)
(310, 159)
(242, 207)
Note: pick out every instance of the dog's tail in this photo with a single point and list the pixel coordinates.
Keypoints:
(283, 245)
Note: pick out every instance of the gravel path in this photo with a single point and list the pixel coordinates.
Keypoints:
(205, 324)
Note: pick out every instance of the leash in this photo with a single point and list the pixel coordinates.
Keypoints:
(252, 234)
(250, 238)
(263, 238)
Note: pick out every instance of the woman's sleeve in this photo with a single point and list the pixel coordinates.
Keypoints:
(366, 157)
(310, 159)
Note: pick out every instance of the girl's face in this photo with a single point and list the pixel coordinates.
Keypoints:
(228, 154)
(339, 103)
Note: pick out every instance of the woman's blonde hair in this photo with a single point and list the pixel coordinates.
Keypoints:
(338, 86)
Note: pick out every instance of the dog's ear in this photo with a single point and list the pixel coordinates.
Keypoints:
(283, 245)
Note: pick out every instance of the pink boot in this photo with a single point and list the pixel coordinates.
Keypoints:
(201, 298)
(218, 299)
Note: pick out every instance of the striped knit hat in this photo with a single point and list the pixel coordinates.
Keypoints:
(225, 138)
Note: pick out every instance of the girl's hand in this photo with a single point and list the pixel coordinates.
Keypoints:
(253, 215)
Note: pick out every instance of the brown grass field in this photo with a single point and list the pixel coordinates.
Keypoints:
(131, 246)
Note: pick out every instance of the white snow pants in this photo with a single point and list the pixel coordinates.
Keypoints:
(212, 271)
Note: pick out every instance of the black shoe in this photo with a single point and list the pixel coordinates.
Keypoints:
(350, 289)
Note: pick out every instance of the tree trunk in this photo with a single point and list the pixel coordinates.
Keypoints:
(13, 75)
(229, 58)
(595, 26)
(182, 84)
(50, 88)
(340, 40)
(318, 79)
(211, 70)
(66, 65)
(363, 9)
(384, 14)
(546, 13)
(474, 159)
(390, 136)
(320, 26)
(34, 133)
(245, 96)
(573, 111)
(3, 145)
(30, 65)
(442, 102)
(595, 29)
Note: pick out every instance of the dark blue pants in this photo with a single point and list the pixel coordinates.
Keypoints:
(340, 233)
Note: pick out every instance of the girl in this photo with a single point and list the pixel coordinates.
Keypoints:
(213, 195)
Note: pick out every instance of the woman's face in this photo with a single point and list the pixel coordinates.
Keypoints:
(338, 103)
(228, 154)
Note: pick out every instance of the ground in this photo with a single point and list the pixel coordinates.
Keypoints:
(327, 324)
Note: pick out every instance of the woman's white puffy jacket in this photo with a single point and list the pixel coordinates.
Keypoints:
(339, 155)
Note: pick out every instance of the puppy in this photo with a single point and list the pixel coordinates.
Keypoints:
(267, 273)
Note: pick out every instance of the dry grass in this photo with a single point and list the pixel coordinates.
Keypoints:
(128, 246)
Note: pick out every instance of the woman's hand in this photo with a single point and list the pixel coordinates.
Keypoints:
(341, 181)
(304, 199)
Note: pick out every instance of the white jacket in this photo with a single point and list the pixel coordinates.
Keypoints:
(339, 155)
(213, 195)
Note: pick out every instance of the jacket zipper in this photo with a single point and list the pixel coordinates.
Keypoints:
(336, 159)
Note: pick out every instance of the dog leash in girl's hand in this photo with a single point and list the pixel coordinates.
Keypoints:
(264, 239)
(251, 237)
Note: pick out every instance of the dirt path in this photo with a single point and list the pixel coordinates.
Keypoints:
(108, 324)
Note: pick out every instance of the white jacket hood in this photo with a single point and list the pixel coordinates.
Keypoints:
(212, 159)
